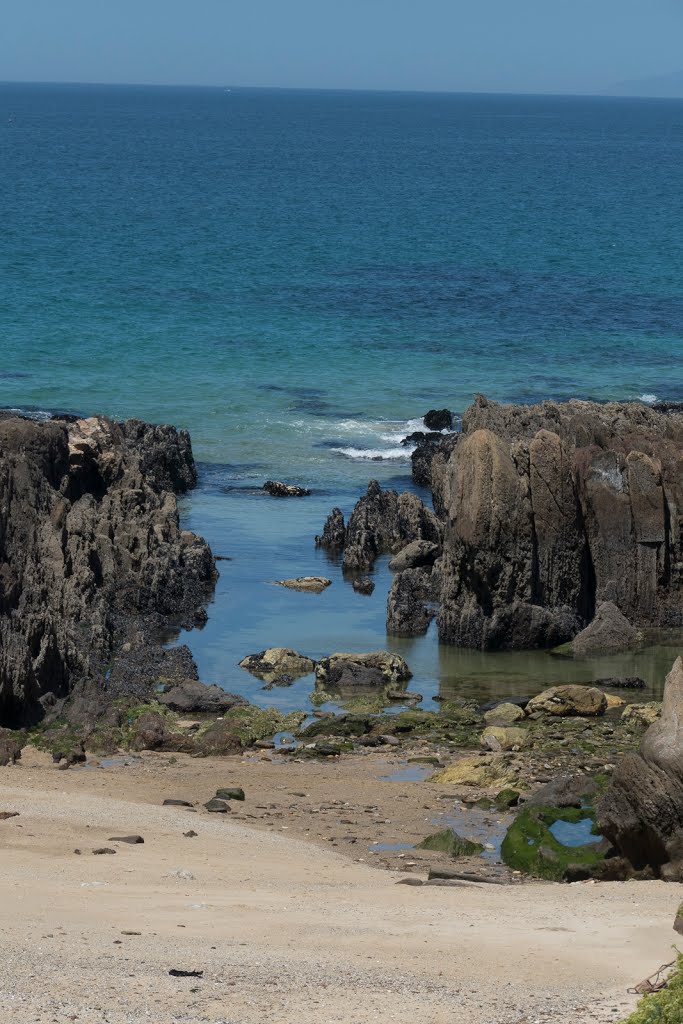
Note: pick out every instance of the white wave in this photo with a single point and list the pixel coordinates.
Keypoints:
(374, 454)
(33, 414)
(648, 399)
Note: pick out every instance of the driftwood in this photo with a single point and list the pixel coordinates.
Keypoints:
(655, 983)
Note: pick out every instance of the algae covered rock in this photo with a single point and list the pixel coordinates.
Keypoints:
(349, 671)
(310, 584)
(569, 700)
(482, 772)
(530, 846)
(495, 737)
(642, 714)
(451, 843)
(504, 715)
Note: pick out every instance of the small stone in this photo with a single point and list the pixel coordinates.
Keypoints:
(176, 803)
(410, 881)
(230, 793)
(191, 834)
(104, 849)
(131, 840)
(217, 806)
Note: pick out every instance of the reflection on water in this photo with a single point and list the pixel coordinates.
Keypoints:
(576, 833)
(274, 539)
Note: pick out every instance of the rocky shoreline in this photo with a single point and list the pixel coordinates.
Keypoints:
(548, 523)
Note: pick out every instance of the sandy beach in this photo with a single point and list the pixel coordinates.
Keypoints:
(283, 928)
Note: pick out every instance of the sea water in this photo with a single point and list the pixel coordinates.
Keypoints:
(296, 277)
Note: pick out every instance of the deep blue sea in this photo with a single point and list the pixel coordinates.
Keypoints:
(296, 277)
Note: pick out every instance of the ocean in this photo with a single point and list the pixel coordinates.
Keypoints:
(297, 277)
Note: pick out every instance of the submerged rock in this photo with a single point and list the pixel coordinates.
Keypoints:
(641, 812)
(278, 489)
(314, 584)
(363, 585)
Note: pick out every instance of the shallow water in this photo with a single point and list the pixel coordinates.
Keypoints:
(296, 277)
(577, 833)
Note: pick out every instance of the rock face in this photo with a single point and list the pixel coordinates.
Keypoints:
(641, 812)
(383, 522)
(89, 542)
(553, 510)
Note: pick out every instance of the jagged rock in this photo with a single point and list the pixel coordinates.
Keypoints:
(569, 700)
(278, 489)
(417, 554)
(361, 671)
(609, 631)
(90, 545)
(641, 813)
(504, 715)
(334, 532)
(191, 695)
(363, 585)
(553, 510)
(314, 584)
(383, 522)
(407, 613)
(276, 662)
(165, 455)
(438, 419)
(429, 460)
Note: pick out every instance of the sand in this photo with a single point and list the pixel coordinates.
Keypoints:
(283, 928)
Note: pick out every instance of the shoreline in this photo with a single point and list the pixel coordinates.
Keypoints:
(284, 928)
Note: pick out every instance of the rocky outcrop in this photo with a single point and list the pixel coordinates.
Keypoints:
(383, 522)
(334, 532)
(641, 812)
(190, 695)
(278, 489)
(409, 611)
(553, 510)
(438, 419)
(609, 631)
(417, 554)
(276, 663)
(361, 671)
(90, 550)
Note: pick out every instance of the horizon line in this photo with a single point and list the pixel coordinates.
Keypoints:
(331, 89)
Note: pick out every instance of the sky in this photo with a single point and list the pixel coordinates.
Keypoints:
(566, 46)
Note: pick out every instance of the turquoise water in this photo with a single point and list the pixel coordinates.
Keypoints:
(296, 276)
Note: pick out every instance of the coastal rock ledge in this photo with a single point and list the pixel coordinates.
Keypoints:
(91, 551)
(553, 510)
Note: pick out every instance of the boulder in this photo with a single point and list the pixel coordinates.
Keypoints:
(495, 737)
(569, 700)
(150, 732)
(219, 739)
(438, 419)
(417, 554)
(278, 489)
(365, 671)
(480, 772)
(10, 748)
(610, 631)
(276, 662)
(504, 715)
(641, 812)
(190, 695)
(216, 806)
(565, 791)
(312, 584)
(363, 585)
(642, 714)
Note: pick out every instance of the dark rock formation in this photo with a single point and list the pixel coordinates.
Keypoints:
(438, 419)
(91, 552)
(334, 532)
(417, 554)
(363, 585)
(191, 695)
(407, 611)
(277, 489)
(621, 683)
(554, 509)
(383, 522)
(641, 812)
(429, 461)
(373, 670)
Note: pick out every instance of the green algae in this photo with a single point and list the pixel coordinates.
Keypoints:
(530, 847)
(451, 843)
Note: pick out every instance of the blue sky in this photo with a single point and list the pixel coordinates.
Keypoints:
(474, 45)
